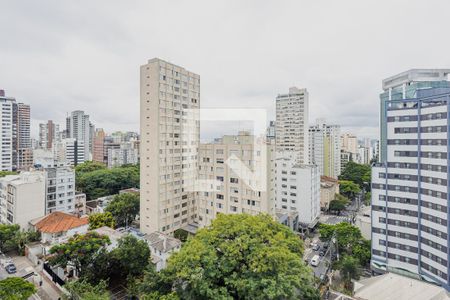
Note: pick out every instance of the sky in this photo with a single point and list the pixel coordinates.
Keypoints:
(60, 56)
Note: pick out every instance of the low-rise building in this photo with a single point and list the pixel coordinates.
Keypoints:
(161, 247)
(80, 204)
(22, 198)
(329, 187)
(60, 189)
(58, 227)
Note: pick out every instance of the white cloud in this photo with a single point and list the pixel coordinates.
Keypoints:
(60, 56)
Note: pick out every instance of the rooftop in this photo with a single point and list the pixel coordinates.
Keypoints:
(392, 286)
(162, 242)
(58, 222)
(415, 75)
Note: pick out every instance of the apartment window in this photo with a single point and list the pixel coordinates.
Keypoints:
(234, 180)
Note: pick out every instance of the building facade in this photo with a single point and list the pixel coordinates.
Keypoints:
(60, 190)
(170, 134)
(410, 188)
(99, 146)
(325, 148)
(80, 129)
(407, 85)
(69, 151)
(22, 198)
(48, 134)
(125, 155)
(298, 189)
(226, 188)
(292, 123)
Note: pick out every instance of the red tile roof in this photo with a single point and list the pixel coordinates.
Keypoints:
(60, 222)
(327, 178)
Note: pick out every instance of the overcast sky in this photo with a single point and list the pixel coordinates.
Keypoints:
(60, 56)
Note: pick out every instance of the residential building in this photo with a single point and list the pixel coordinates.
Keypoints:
(298, 189)
(99, 146)
(22, 151)
(325, 148)
(410, 188)
(15, 134)
(170, 134)
(60, 189)
(80, 204)
(22, 198)
(43, 158)
(346, 157)
(125, 155)
(48, 134)
(80, 129)
(292, 123)
(329, 187)
(57, 227)
(161, 247)
(364, 155)
(364, 223)
(349, 143)
(227, 187)
(270, 135)
(407, 85)
(70, 151)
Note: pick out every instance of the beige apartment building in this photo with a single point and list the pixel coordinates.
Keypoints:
(236, 175)
(170, 132)
(292, 128)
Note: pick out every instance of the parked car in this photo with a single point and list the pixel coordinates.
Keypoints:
(316, 247)
(315, 261)
(11, 269)
(321, 253)
(325, 246)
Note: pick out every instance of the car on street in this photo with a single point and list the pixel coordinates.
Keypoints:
(315, 260)
(316, 247)
(321, 253)
(11, 269)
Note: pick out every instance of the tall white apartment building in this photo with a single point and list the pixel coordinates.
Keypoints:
(22, 198)
(79, 128)
(6, 136)
(170, 134)
(325, 148)
(292, 123)
(298, 189)
(69, 151)
(126, 154)
(226, 186)
(410, 188)
(60, 189)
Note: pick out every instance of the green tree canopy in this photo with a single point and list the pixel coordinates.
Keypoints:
(348, 188)
(349, 268)
(337, 205)
(7, 236)
(357, 173)
(16, 288)
(83, 290)
(86, 253)
(131, 256)
(124, 208)
(103, 182)
(98, 220)
(239, 257)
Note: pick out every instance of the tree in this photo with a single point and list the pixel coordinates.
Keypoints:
(16, 288)
(361, 251)
(339, 203)
(349, 269)
(86, 253)
(238, 257)
(181, 234)
(102, 182)
(89, 166)
(367, 198)
(7, 236)
(124, 208)
(5, 173)
(83, 290)
(348, 188)
(346, 235)
(131, 256)
(98, 220)
(359, 174)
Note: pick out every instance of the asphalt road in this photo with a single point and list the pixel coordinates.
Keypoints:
(321, 269)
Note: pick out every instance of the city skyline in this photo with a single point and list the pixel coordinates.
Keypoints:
(340, 66)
